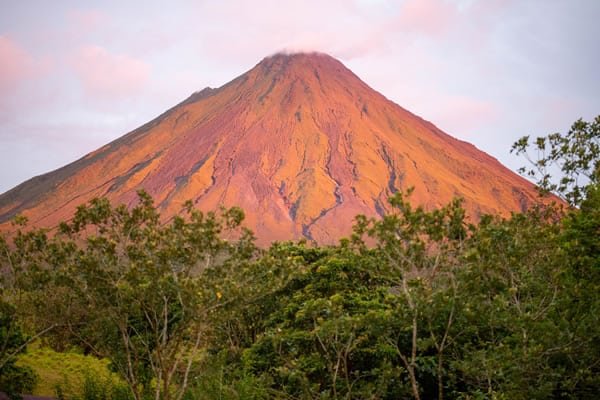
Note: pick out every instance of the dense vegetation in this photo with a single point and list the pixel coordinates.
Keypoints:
(419, 304)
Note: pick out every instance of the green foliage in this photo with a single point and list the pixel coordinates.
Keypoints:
(322, 339)
(513, 275)
(415, 305)
(418, 252)
(68, 369)
(430, 308)
(215, 379)
(92, 387)
(126, 287)
(95, 388)
(576, 154)
(14, 379)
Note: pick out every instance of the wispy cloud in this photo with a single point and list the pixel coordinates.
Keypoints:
(19, 69)
(430, 17)
(15, 64)
(106, 75)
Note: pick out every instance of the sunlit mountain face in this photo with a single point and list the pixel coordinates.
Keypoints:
(299, 142)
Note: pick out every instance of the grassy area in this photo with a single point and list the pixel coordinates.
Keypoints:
(65, 370)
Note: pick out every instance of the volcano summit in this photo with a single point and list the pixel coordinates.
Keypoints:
(299, 142)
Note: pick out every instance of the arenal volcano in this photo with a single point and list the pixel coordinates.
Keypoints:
(299, 142)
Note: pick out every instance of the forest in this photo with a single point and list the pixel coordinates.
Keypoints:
(419, 304)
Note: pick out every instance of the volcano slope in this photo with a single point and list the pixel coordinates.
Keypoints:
(299, 142)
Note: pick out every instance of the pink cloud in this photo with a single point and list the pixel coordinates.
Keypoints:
(431, 17)
(15, 64)
(107, 75)
(20, 74)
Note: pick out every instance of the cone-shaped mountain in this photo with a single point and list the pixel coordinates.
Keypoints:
(299, 142)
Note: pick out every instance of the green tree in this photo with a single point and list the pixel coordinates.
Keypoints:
(15, 333)
(513, 272)
(130, 287)
(14, 379)
(418, 251)
(576, 154)
(322, 341)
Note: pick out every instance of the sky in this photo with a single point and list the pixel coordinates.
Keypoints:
(75, 75)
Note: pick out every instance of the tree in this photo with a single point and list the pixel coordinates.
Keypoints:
(576, 154)
(322, 341)
(14, 379)
(418, 253)
(513, 273)
(14, 337)
(131, 286)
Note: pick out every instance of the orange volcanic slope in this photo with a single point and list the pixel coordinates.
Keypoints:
(299, 142)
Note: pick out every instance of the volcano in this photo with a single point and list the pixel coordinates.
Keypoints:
(299, 142)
